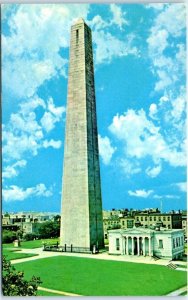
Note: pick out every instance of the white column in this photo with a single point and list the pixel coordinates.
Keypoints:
(149, 242)
(127, 245)
(138, 245)
(132, 250)
(150, 250)
(122, 245)
(144, 246)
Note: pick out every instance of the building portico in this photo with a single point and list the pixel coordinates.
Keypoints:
(147, 242)
(136, 245)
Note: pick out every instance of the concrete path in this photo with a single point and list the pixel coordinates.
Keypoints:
(178, 292)
(57, 292)
(126, 258)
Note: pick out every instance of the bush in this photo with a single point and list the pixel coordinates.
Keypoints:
(8, 236)
(49, 229)
(14, 284)
(30, 236)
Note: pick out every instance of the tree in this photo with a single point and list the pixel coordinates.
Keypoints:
(14, 284)
(49, 229)
(30, 236)
(8, 236)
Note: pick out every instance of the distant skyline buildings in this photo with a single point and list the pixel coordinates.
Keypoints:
(141, 106)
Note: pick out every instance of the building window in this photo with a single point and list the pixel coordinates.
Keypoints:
(164, 218)
(141, 218)
(123, 223)
(129, 223)
(146, 218)
(168, 218)
(160, 244)
(159, 218)
(137, 218)
(150, 218)
(154, 218)
(105, 236)
(77, 35)
(117, 244)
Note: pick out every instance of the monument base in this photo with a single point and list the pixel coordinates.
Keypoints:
(70, 249)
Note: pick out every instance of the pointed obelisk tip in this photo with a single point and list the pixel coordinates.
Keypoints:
(80, 20)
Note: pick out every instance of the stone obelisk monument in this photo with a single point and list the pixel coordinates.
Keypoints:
(82, 222)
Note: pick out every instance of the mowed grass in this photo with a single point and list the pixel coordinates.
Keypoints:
(93, 277)
(15, 254)
(12, 252)
(44, 293)
(32, 244)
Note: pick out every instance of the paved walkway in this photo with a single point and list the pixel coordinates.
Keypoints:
(126, 258)
(57, 292)
(178, 292)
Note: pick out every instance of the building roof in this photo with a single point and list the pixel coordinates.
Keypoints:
(140, 230)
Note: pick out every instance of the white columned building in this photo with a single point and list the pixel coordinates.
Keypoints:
(140, 241)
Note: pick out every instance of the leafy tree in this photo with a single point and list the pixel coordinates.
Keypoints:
(8, 236)
(49, 229)
(57, 218)
(14, 284)
(30, 236)
(19, 234)
(6, 214)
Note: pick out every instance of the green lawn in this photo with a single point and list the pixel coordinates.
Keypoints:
(32, 244)
(44, 293)
(15, 254)
(92, 277)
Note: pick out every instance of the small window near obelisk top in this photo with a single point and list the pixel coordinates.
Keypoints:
(77, 35)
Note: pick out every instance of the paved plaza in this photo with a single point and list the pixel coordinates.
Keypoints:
(125, 258)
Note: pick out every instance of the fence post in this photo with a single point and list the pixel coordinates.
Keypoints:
(71, 247)
(65, 247)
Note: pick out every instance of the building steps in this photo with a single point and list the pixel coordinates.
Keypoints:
(172, 266)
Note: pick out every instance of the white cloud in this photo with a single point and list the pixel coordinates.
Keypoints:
(168, 23)
(97, 23)
(153, 110)
(105, 149)
(109, 46)
(142, 138)
(129, 167)
(15, 193)
(48, 121)
(157, 6)
(141, 193)
(163, 197)
(153, 172)
(118, 16)
(52, 143)
(182, 186)
(52, 116)
(56, 111)
(25, 134)
(158, 41)
(29, 55)
(12, 171)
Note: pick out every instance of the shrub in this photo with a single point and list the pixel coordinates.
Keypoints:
(14, 284)
(8, 236)
(30, 236)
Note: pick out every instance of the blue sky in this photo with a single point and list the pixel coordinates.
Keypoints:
(140, 60)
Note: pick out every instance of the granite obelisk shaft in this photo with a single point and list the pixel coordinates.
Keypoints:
(82, 221)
